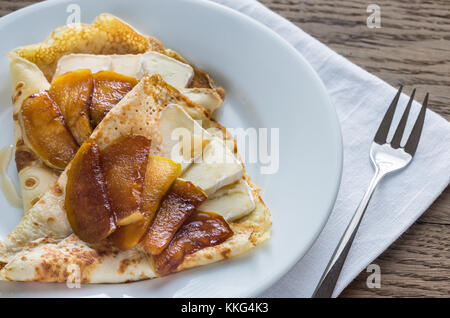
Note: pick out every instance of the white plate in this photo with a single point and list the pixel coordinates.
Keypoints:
(269, 85)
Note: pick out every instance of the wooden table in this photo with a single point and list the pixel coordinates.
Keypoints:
(412, 48)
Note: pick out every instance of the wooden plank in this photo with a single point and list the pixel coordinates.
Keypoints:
(11, 6)
(421, 266)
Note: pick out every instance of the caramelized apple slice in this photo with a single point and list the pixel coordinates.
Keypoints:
(72, 93)
(201, 230)
(160, 175)
(180, 202)
(87, 206)
(124, 163)
(45, 131)
(109, 89)
(128, 236)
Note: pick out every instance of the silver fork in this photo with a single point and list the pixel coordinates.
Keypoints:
(386, 158)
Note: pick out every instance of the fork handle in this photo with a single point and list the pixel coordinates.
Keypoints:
(331, 274)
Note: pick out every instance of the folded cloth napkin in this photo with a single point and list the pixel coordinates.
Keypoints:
(361, 100)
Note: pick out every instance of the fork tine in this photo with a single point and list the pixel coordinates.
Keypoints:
(413, 140)
(383, 130)
(397, 139)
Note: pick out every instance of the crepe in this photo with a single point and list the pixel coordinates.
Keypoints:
(43, 248)
(34, 66)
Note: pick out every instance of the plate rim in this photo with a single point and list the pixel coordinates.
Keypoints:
(330, 110)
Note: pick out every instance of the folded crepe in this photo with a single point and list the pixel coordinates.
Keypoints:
(43, 247)
(71, 47)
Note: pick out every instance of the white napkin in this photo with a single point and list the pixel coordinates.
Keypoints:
(361, 100)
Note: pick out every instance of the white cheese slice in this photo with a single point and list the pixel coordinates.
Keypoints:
(217, 168)
(176, 126)
(73, 62)
(174, 72)
(232, 202)
(129, 64)
(211, 169)
(206, 97)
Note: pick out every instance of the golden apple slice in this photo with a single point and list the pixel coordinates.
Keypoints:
(45, 131)
(109, 89)
(128, 236)
(87, 206)
(72, 93)
(180, 202)
(202, 229)
(161, 173)
(124, 163)
(159, 177)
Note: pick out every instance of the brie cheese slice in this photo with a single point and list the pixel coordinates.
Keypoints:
(174, 72)
(95, 63)
(206, 97)
(217, 168)
(210, 165)
(232, 202)
(181, 136)
(129, 64)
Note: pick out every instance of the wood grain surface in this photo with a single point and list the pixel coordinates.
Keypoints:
(412, 48)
